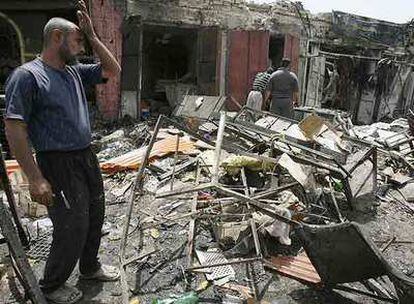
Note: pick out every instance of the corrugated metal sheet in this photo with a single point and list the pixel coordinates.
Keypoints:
(133, 159)
(298, 267)
(258, 54)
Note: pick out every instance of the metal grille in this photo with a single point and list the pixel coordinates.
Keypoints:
(40, 248)
(209, 258)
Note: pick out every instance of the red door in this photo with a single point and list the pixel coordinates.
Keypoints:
(248, 55)
(291, 50)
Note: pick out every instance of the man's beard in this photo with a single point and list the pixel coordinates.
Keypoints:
(65, 54)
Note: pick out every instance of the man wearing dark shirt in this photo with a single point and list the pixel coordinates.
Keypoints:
(283, 86)
(46, 106)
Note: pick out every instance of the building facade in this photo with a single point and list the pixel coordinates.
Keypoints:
(171, 48)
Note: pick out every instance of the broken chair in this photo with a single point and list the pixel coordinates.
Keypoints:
(341, 253)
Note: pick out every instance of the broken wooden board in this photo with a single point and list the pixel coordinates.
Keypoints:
(311, 125)
(201, 107)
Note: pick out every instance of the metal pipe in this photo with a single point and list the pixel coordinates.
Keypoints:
(183, 190)
(260, 206)
(137, 185)
(219, 142)
(225, 263)
(11, 200)
(191, 229)
(177, 146)
(251, 220)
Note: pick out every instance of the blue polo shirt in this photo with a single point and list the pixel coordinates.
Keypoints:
(52, 103)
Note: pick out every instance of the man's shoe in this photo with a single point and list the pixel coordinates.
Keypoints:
(65, 294)
(106, 273)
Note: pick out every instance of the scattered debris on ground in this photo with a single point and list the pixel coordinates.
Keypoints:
(247, 207)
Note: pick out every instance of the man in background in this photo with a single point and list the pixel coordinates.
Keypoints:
(256, 95)
(283, 87)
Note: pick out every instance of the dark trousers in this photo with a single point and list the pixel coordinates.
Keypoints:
(282, 107)
(77, 220)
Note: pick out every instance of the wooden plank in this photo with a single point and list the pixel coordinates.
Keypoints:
(296, 267)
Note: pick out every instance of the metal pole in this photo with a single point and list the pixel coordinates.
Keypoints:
(177, 146)
(192, 225)
(24, 271)
(219, 142)
(251, 220)
(10, 199)
(226, 263)
(136, 186)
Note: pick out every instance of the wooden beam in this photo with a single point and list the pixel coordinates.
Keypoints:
(43, 5)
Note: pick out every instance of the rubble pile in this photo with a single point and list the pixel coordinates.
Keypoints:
(213, 209)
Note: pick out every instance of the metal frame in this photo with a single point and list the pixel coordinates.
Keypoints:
(20, 262)
(321, 158)
(214, 184)
(253, 203)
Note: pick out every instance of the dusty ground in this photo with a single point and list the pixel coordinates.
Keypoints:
(160, 274)
(386, 221)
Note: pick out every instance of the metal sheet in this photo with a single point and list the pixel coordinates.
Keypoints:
(238, 68)
(296, 267)
(341, 253)
(207, 79)
(40, 248)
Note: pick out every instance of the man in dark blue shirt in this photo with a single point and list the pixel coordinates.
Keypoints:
(46, 107)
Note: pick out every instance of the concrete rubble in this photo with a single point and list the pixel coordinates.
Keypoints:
(228, 209)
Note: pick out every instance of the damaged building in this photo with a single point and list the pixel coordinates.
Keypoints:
(201, 48)
(362, 66)
(21, 25)
(208, 200)
(170, 49)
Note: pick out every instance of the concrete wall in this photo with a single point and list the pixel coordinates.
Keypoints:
(107, 18)
(225, 14)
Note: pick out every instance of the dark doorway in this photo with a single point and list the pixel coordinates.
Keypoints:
(276, 48)
(11, 49)
(169, 57)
